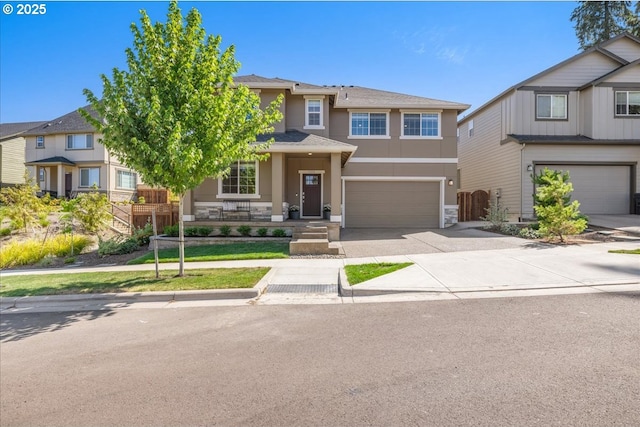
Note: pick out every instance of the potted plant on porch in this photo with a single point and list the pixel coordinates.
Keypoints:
(294, 212)
(326, 211)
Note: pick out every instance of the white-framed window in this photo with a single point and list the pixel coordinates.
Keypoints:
(80, 141)
(242, 180)
(313, 118)
(551, 106)
(40, 141)
(421, 125)
(471, 128)
(89, 176)
(126, 179)
(628, 103)
(368, 124)
(42, 174)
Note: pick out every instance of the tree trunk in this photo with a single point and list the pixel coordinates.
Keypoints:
(181, 234)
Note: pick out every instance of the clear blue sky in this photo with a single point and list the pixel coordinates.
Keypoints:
(457, 51)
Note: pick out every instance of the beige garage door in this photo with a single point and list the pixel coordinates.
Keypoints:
(392, 204)
(599, 189)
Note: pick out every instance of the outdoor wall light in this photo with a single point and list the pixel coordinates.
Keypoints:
(450, 182)
(529, 168)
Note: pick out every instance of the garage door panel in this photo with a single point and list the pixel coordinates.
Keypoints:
(599, 189)
(392, 204)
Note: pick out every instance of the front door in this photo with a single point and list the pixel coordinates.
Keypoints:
(67, 185)
(311, 195)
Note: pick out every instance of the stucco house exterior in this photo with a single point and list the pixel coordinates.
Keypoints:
(379, 159)
(66, 157)
(581, 115)
(12, 146)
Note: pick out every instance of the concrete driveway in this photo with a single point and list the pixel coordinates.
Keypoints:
(368, 242)
(626, 223)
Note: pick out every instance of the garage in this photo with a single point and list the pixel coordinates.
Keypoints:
(600, 189)
(393, 204)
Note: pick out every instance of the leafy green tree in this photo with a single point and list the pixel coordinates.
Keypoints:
(598, 21)
(175, 115)
(557, 214)
(23, 207)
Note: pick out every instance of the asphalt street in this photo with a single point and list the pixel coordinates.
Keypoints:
(569, 360)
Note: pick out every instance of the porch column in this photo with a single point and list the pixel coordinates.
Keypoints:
(188, 213)
(277, 187)
(336, 188)
(61, 182)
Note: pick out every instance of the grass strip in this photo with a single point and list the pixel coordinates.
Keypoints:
(129, 281)
(625, 251)
(362, 272)
(220, 252)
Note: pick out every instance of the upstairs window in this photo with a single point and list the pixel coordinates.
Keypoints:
(369, 124)
(628, 103)
(80, 141)
(470, 128)
(242, 179)
(421, 125)
(40, 141)
(551, 107)
(313, 116)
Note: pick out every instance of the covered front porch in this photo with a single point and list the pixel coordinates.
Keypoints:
(301, 179)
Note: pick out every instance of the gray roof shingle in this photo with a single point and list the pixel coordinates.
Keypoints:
(72, 122)
(8, 130)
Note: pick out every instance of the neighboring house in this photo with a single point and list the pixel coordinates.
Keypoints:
(66, 157)
(379, 159)
(581, 115)
(12, 145)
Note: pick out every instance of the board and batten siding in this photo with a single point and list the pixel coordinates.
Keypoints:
(485, 163)
(12, 161)
(605, 124)
(625, 48)
(524, 115)
(577, 73)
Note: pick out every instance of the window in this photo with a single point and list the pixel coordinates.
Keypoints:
(126, 179)
(242, 179)
(421, 125)
(551, 107)
(470, 128)
(89, 176)
(79, 141)
(313, 117)
(42, 174)
(628, 103)
(40, 141)
(369, 124)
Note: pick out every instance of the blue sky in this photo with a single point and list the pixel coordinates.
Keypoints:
(457, 51)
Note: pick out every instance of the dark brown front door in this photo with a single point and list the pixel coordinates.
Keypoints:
(311, 200)
(67, 185)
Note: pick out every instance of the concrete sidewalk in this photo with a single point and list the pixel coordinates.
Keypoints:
(442, 275)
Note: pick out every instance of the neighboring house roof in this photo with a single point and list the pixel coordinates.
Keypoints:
(11, 130)
(295, 141)
(566, 139)
(598, 48)
(352, 96)
(52, 161)
(72, 122)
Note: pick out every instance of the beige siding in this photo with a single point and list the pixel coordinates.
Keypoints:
(55, 145)
(625, 48)
(527, 124)
(208, 190)
(579, 72)
(487, 165)
(296, 111)
(631, 75)
(267, 97)
(294, 164)
(605, 124)
(12, 161)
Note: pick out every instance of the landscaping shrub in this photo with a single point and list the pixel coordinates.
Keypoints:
(5, 231)
(262, 232)
(279, 232)
(529, 233)
(202, 231)
(23, 207)
(32, 251)
(244, 230)
(143, 235)
(496, 215)
(510, 229)
(225, 230)
(117, 246)
(171, 230)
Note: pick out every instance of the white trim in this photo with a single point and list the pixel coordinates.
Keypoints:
(188, 217)
(369, 110)
(420, 110)
(420, 113)
(256, 195)
(368, 136)
(451, 206)
(308, 98)
(336, 218)
(311, 172)
(432, 160)
(421, 137)
(440, 179)
(277, 218)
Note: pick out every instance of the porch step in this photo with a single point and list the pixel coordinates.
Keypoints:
(311, 232)
(312, 247)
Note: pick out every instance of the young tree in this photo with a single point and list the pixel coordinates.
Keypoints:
(175, 115)
(598, 21)
(557, 215)
(24, 207)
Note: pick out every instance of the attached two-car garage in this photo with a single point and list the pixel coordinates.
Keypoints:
(392, 203)
(600, 189)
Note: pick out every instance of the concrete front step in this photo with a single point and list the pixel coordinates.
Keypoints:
(312, 247)
(310, 235)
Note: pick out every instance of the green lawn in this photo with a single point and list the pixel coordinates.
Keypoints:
(625, 251)
(221, 252)
(129, 281)
(362, 272)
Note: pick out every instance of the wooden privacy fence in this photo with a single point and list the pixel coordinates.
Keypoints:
(166, 214)
(154, 195)
(471, 206)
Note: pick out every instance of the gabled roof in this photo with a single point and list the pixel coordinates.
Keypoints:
(10, 130)
(352, 96)
(611, 74)
(52, 161)
(568, 140)
(299, 142)
(598, 48)
(72, 122)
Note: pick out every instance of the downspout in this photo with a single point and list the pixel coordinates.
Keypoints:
(522, 167)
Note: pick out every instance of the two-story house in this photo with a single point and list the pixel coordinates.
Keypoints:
(581, 116)
(379, 159)
(66, 157)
